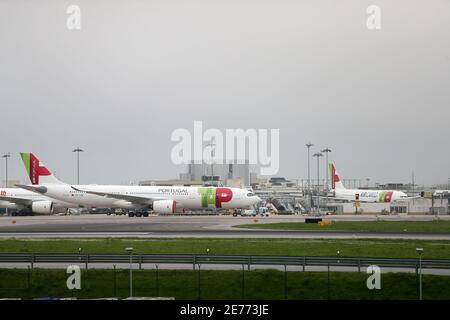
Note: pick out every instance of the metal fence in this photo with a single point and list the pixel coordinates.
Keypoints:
(190, 259)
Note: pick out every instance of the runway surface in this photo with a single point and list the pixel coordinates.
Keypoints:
(188, 226)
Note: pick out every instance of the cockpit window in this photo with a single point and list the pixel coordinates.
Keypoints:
(250, 194)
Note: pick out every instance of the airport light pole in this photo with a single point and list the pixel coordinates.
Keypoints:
(212, 144)
(326, 151)
(309, 145)
(420, 251)
(130, 251)
(318, 155)
(78, 150)
(6, 157)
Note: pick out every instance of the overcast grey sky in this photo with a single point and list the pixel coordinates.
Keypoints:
(137, 70)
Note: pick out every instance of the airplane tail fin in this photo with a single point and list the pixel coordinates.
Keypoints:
(335, 180)
(37, 172)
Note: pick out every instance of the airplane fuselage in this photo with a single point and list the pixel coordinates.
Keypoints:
(185, 197)
(369, 195)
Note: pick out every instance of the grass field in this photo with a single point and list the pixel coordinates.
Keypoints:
(208, 284)
(436, 226)
(289, 247)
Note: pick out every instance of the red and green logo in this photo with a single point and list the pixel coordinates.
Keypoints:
(385, 196)
(214, 197)
(34, 169)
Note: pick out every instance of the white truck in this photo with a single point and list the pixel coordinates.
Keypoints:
(249, 212)
(263, 212)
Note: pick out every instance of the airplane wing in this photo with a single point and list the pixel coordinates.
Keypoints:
(341, 199)
(132, 199)
(21, 201)
(37, 189)
(408, 198)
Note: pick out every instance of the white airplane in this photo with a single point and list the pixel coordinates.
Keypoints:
(38, 204)
(158, 199)
(438, 193)
(19, 199)
(340, 192)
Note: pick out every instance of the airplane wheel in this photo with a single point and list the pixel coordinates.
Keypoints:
(130, 214)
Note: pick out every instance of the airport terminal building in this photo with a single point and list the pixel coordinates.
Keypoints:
(234, 173)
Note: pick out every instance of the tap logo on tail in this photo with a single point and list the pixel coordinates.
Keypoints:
(34, 167)
(37, 172)
(335, 180)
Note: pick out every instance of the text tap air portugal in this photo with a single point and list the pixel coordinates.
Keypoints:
(340, 192)
(158, 199)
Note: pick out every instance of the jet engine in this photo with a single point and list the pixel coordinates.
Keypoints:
(164, 206)
(42, 207)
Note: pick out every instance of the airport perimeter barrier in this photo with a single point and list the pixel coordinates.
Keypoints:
(190, 259)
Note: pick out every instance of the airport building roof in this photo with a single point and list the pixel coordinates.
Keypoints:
(173, 182)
